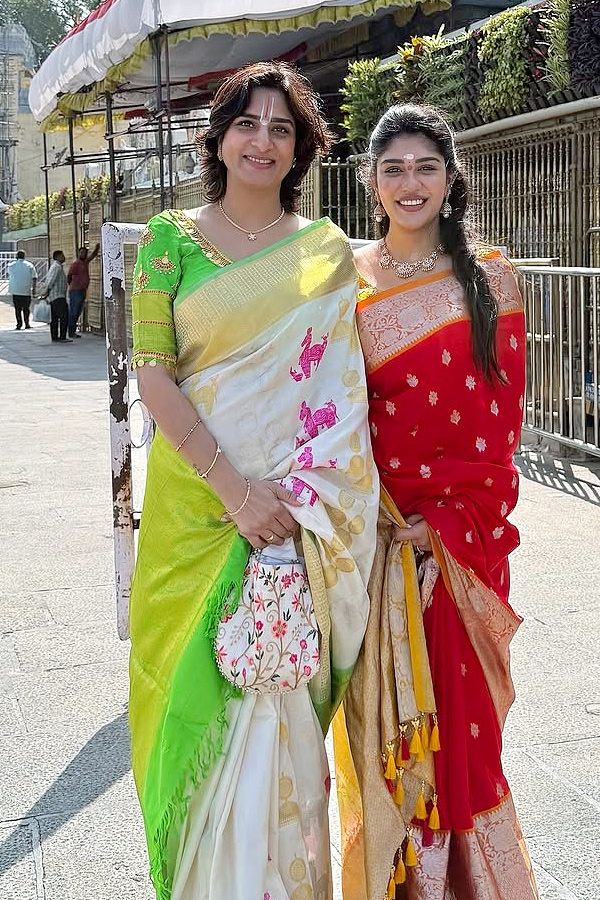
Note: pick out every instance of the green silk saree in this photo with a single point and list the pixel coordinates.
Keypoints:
(266, 350)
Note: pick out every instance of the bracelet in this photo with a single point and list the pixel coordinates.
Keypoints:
(192, 429)
(234, 512)
(210, 468)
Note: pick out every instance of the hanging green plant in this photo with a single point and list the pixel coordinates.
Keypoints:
(28, 213)
(501, 51)
(368, 91)
(556, 26)
(442, 76)
(431, 70)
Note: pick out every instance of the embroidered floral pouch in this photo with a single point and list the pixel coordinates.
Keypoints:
(270, 644)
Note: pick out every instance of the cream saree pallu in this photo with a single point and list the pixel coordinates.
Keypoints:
(234, 787)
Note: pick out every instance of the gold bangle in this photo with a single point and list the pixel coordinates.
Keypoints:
(210, 468)
(234, 512)
(193, 428)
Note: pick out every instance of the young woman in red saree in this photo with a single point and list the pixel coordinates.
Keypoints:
(426, 810)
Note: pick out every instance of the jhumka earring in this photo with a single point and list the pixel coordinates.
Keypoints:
(446, 209)
(379, 213)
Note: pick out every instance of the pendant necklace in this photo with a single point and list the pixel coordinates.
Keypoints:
(251, 235)
(408, 269)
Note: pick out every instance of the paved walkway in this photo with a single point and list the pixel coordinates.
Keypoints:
(69, 823)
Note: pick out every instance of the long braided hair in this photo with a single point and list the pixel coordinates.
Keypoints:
(456, 232)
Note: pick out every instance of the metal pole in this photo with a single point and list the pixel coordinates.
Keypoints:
(168, 107)
(113, 278)
(157, 44)
(47, 189)
(111, 159)
(73, 186)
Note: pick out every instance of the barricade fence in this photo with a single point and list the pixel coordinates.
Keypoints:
(562, 315)
(6, 258)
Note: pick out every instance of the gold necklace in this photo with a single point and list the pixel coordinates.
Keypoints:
(408, 269)
(251, 235)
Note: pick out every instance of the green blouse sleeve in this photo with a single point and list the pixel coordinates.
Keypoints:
(155, 281)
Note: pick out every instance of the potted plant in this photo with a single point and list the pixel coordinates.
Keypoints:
(504, 87)
(556, 27)
(368, 91)
(441, 80)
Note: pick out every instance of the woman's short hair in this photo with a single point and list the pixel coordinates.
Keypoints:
(313, 137)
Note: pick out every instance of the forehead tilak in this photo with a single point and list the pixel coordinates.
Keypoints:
(266, 110)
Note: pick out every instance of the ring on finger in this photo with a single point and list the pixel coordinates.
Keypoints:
(270, 537)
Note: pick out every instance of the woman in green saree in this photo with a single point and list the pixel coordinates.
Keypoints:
(247, 357)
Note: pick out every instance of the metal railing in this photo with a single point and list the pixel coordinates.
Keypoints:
(562, 313)
(344, 198)
(6, 258)
(536, 192)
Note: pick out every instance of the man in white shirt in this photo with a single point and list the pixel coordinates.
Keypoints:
(22, 279)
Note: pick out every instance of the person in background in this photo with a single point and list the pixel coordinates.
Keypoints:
(78, 279)
(22, 280)
(56, 292)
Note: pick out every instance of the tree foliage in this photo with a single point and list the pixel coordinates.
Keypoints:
(46, 21)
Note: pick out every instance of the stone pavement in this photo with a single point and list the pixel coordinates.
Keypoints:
(69, 822)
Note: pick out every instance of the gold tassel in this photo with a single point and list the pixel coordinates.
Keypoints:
(416, 747)
(424, 736)
(390, 769)
(421, 809)
(410, 857)
(400, 873)
(434, 740)
(434, 817)
(399, 792)
(391, 889)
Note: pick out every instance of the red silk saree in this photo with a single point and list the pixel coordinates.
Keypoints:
(443, 441)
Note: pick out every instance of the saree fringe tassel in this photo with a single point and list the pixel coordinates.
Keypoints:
(434, 740)
(400, 872)
(176, 810)
(227, 590)
(391, 888)
(421, 809)
(410, 856)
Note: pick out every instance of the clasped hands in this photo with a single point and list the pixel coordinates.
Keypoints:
(266, 520)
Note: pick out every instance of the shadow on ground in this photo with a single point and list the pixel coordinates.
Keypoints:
(103, 761)
(83, 360)
(542, 468)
